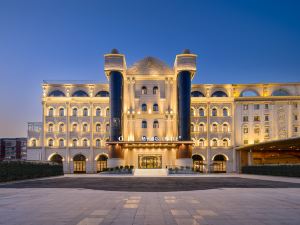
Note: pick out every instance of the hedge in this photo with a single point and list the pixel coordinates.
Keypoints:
(273, 170)
(20, 170)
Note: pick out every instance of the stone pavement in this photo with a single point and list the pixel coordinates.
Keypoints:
(80, 206)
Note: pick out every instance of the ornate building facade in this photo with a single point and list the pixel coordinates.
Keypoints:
(149, 115)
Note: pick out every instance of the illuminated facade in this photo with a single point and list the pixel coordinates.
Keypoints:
(149, 115)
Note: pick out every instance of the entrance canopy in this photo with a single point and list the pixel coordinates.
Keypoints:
(282, 152)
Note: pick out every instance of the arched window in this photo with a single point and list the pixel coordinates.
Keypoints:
(85, 143)
(61, 112)
(33, 143)
(201, 112)
(80, 93)
(144, 124)
(197, 94)
(225, 142)
(61, 127)
(56, 93)
(214, 142)
(245, 129)
(56, 158)
(155, 90)
(98, 112)
(79, 163)
(198, 163)
(201, 142)
(98, 127)
(225, 128)
(102, 94)
(50, 127)
(155, 107)
(256, 130)
(201, 127)
(51, 112)
(101, 163)
(61, 143)
(74, 112)
(107, 112)
(144, 90)
(98, 143)
(155, 124)
(225, 112)
(85, 112)
(280, 92)
(50, 142)
(74, 127)
(107, 127)
(192, 112)
(144, 107)
(214, 112)
(215, 127)
(192, 127)
(219, 165)
(75, 143)
(249, 93)
(85, 127)
(219, 94)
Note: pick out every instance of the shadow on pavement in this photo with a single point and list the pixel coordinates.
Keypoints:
(150, 184)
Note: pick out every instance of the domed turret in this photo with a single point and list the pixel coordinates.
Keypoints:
(186, 51)
(114, 51)
(150, 66)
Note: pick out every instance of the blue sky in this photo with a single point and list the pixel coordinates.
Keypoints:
(237, 42)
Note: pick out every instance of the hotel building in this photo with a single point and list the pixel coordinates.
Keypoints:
(150, 115)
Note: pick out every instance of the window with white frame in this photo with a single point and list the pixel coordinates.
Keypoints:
(98, 127)
(61, 112)
(85, 112)
(214, 112)
(98, 112)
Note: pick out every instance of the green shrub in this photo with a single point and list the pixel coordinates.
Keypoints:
(19, 170)
(273, 170)
(126, 167)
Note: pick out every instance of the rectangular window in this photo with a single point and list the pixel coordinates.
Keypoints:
(267, 130)
(256, 118)
(256, 106)
(256, 130)
(266, 106)
(245, 142)
(245, 107)
(245, 118)
(295, 117)
(295, 105)
(256, 141)
(246, 130)
(266, 117)
(296, 129)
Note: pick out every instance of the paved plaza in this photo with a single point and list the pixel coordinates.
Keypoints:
(207, 200)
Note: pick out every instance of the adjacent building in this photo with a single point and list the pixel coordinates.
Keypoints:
(150, 115)
(13, 148)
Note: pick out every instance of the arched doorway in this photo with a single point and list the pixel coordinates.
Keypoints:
(101, 163)
(198, 164)
(79, 163)
(56, 158)
(219, 164)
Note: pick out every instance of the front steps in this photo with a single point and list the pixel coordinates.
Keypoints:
(150, 172)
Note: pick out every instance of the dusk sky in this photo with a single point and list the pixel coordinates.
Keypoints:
(236, 42)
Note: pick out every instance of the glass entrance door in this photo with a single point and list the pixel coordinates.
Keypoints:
(150, 161)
